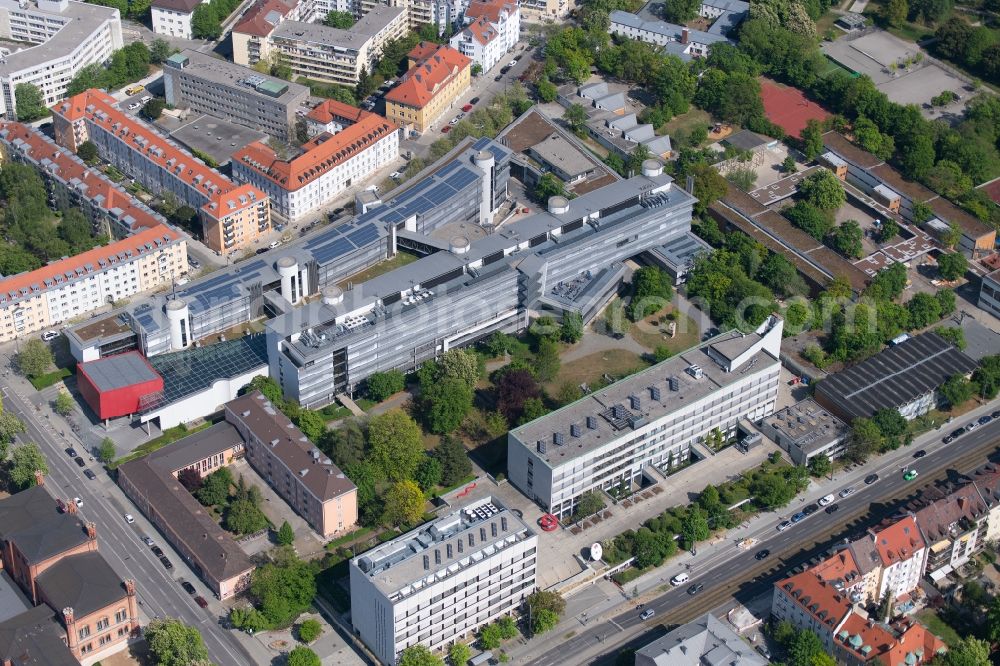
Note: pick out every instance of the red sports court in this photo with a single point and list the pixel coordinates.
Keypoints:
(788, 108)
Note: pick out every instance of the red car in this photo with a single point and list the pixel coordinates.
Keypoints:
(467, 108)
(445, 129)
(201, 601)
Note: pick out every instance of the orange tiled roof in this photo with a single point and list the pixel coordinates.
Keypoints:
(818, 597)
(322, 153)
(98, 108)
(898, 541)
(489, 9)
(71, 170)
(255, 20)
(330, 110)
(915, 639)
(233, 201)
(422, 51)
(864, 639)
(482, 31)
(422, 82)
(60, 272)
(935, 519)
(907, 644)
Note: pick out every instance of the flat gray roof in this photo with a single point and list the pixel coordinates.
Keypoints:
(560, 153)
(216, 137)
(808, 425)
(198, 446)
(82, 20)
(118, 371)
(12, 600)
(655, 400)
(244, 79)
(368, 26)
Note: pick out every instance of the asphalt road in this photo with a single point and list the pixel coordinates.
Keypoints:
(159, 590)
(736, 573)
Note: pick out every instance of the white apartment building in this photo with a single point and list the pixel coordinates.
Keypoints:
(989, 293)
(503, 15)
(173, 17)
(66, 37)
(648, 419)
(328, 164)
(440, 583)
(492, 30)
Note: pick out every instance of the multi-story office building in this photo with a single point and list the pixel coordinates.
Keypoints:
(328, 164)
(437, 76)
(243, 96)
(806, 430)
(440, 583)
(173, 17)
(66, 37)
(233, 216)
(304, 477)
(648, 419)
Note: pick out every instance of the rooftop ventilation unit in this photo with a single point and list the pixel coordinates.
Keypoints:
(634, 402)
(503, 523)
(557, 438)
(541, 446)
(654, 393)
(618, 412)
(592, 423)
(695, 371)
(574, 430)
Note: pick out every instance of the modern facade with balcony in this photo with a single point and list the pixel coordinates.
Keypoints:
(443, 581)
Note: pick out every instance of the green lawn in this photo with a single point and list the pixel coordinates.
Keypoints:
(401, 259)
(169, 436)
(939, 627)
(591, 368)
(651, 333)
(685, 122)
(48, 379)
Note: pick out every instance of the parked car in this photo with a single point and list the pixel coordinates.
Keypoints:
(71, 452)
(800, 516)
(193, 263)
(983, 420)
(474, 100)
(910, 474)
(947, 439)
(764, 652)
(79, 462)
(167, 564)
(920, 454)
(870, 479)
(648, 613)
(157, 551)
(188, 587)
(445, 129)
(833, 508)
(996, 414)
(145, 98)
(958, 433)
(695, 589)
(762, 554)
(454, 121)
(148, 541)
(201, 602)
(467, 108)
(49, 336)
(261, 250)
(129, 518)
(680, 579)
(971, 425)
(847, 492)
(784, 526)
(826, 499)
(77, 501)
(395, 175)
(498, 77)
(811, 509)
(274, 244)
(133, 106)
(89, 474)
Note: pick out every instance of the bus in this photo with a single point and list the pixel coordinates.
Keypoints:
(134, 90)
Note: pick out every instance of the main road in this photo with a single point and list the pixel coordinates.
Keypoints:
(735, 573)
(159, 592)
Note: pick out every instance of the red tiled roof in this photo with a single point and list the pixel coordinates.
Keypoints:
(489, 9)
(255, 21)
(322, 153)
(936, 518)
(98, 108)
(482, 31)
(422, 82)
(817, 597)
(330, 110)
(233, 201)
(992, 189)
(33, 282)
(69, 168)
(422, 51)
(869, 641)
(898, 541)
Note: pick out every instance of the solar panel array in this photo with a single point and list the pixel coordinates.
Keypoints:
(342, 240)
(224, 287)
(429, 194)
(192, 370)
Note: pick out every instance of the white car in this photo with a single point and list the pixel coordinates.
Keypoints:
(133, 106)
(274, 244)
(826, 499)
(454, 121)
(129, 519)
(48, 336)
(395, 175)
(145, 98)
(785, 525)
(512, 63)
(680, 579)
(78, 501)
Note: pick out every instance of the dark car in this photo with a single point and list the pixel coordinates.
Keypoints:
(948, 439)
(833, 508)
(761, 554)
(167, 564)
(71, 452)
(764, 652)
(811, 509)
(188, 587)
(799, 516)
(958, 433)
(695, 589)
(79, 461)
(870, 479)
(89, 474)
(261, 250)
(920, 454)
(983, 420)
(474, 100)
(996, 414)
(157, 551)
(201, 602)
(498, 77)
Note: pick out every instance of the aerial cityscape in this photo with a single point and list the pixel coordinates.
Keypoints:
(541, 332)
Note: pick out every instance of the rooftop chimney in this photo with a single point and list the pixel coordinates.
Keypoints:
(91, 530)
(684, 35)
(40, 481)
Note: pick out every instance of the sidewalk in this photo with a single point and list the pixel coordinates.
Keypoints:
(715, 553)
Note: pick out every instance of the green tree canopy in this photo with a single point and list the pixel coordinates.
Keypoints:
(396, 445)
(381, 385)
(419, 655)
(106, 452)
(30, 104)
(283, 589)
(244, 517)
(35, 358)
(303, 656)
(64, 403)
(286, 535)
(173, 643)
(952, 265)
(823, 190)
(215, 489)
(342, 20)
(25, 460)
(446, 403)
(956, 390)
(404, 504)
(455, 463)
(459, 654)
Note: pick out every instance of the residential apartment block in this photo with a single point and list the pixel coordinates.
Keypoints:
(652, 418)
(233, 216)
(953, 525)
(65, 36)
(237, 94)
(887, 186)
(441, 582)
(83, 611)
(492, 30)
(327, 165)
(173, 17)
(680, 40)
(297, 470)
(989, 293)
(546, 10)
(437, 76)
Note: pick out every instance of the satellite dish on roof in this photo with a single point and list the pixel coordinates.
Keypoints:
(596, 551)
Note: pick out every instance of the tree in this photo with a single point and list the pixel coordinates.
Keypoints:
(248, 618)
(846, 239)
(35, 358)
(952, 265)
(694, 527)
(956, 390)
(204, 23)
(548, 186)
(924, 310)
(153, 108)
(708, 186)
(589, 503)
(173, 643)
(993, 620)
(214, 490)
(311, 423)
(454, 461)
(342, 20)
(286, 535)
(888, 231)
(542, 621)
(812, 140)
(810, 219)
(547, 361)
(888, 283)
(30, 103)
(419, 655)
(106, 452)
(244, 517)
(969, 652)
(576, 117)
(534, 408)
(680, 11)
(159, 50)
(446, 402)
(544, 600)
(820, 465)
(987, 376)
(303, 656)
(10, 426)
(64, 403)
(381, 385)
(25, 460)
(459, 654)
(572, 327)
(956, 336)
(396, 445)
(190, 478)
(428, 474)
(651, 292)
(283, 589)
(547, 91)
(823, 190)
(894, 12)
(404, 504)
(805, 648)
(345, 445)
(461, 364)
